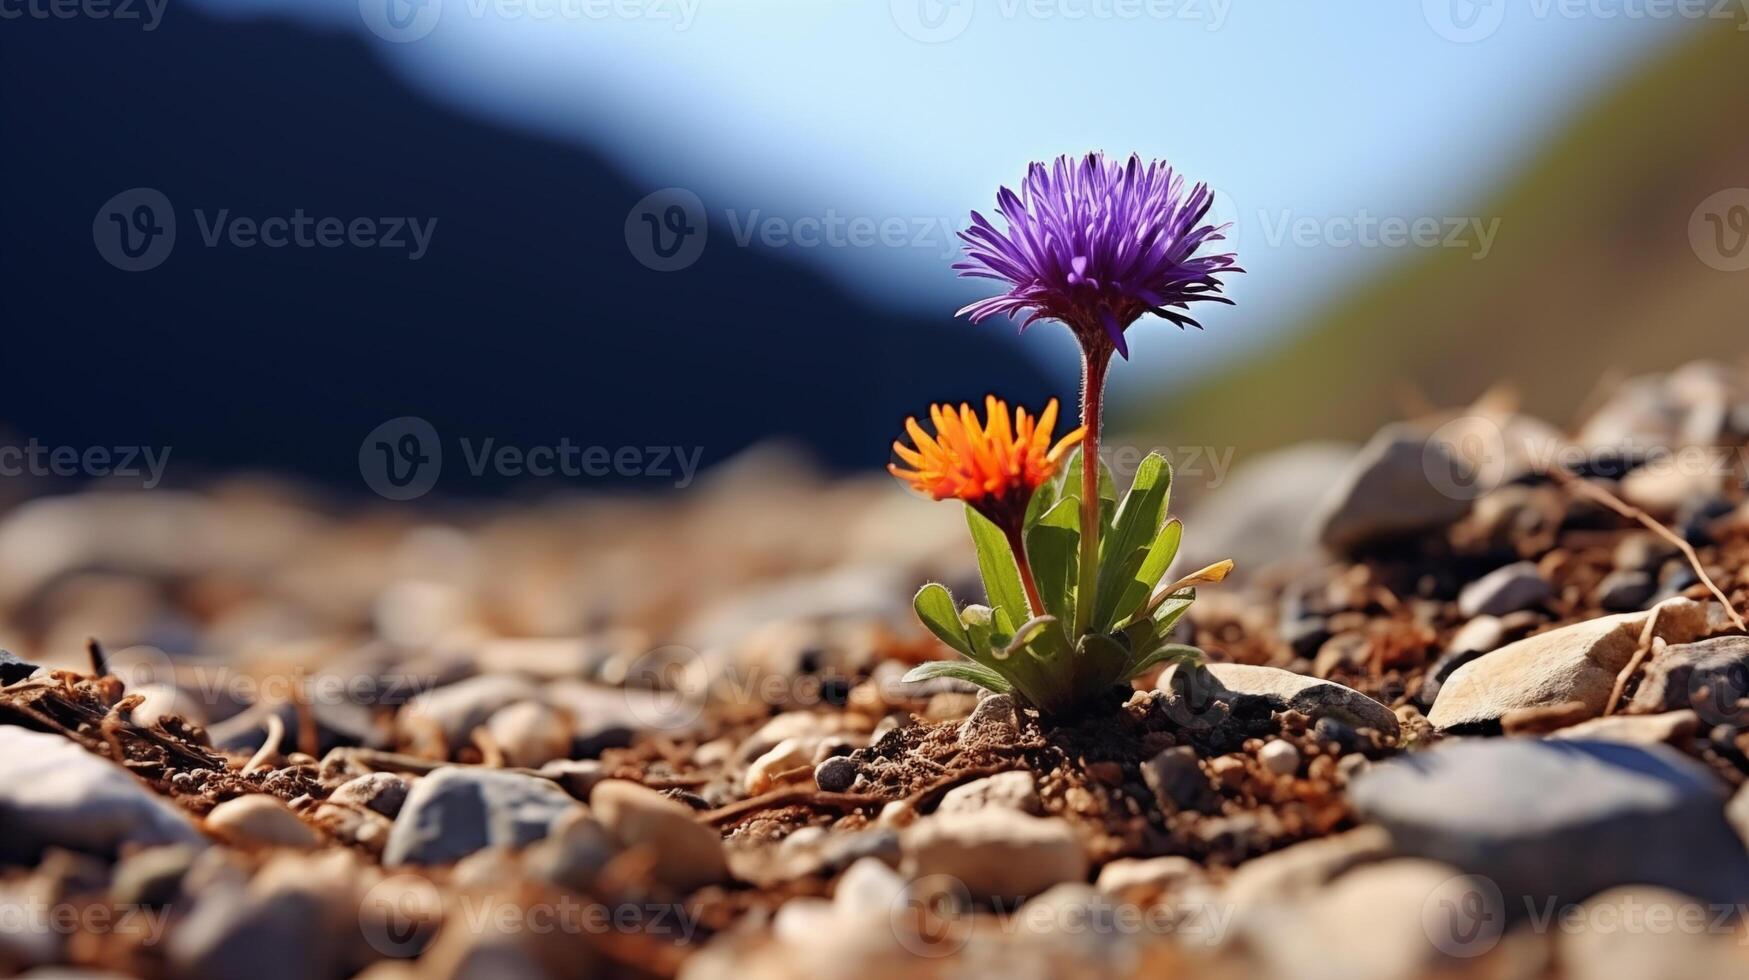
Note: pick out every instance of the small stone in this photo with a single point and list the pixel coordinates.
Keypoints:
(260, 820)
(573, 855)
(995, 717)
(1711, 676)
(530, 734)
(1156, 875)
(1534, 815)
(995, 853)
(575, 776)
(1642, 553)
(457, 709)
(688, 854)
(53, 793)
(1505, 590)
(1279, 757)
(1663, 488)
(786, 756)
(383, 792)
(1671, 727)
(152, 877)
(1280, 690)
(835, 775)
(456, 810)
(1178, 781)
(1482, 634)
(867, 889)
(1385, 493)
(1574, 663)
(1625, 591)
(1008, 790)
(1298, 872)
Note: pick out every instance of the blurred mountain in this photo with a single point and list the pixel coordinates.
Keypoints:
(527, 321)
(1592, 276)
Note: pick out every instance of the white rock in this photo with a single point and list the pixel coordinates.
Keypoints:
(688, 854)
(1279, 757)
(787, 755)
(260, 820)
(54, 793)
(1154, 874)
(530, 734)
(1575, 663)
(1673, 727)
(994, 853)
(1007, 790)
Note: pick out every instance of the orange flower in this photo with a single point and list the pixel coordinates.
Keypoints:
(994, 466)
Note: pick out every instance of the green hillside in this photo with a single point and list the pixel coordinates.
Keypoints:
(1592, 274)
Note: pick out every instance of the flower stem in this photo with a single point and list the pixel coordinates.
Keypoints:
(1093, 365)
(1017, 544)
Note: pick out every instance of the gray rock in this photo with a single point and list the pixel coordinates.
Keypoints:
(1387, 493)
(1534, 816)
(835, 775)
(53, 793)
(1505, 590)
(270, 934)
(1195, 689)
(1576, 663)
(1626, 591)
(995, 853)
(995, 716)
(1263, 513)
(383, 792)
(1711, 676)
(1178, 781)
(688, 854)
(456, 811)
(1007, 790)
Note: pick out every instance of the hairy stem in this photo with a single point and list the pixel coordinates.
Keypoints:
(1017, 544)
(1093, 365)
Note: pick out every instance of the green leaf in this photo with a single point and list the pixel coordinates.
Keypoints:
(1100, 661)
(1171, 651)
(1070, 482)
(934, 605)
(1043, 499)
(1172, 610)
(1052, 546)
(964, 670)
(1146, 577)
(1001, 576)
(1136, 524)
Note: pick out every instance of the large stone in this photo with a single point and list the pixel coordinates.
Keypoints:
(458, 810)
(995, 853)
(688, 854)
(1560, 819)
(1194, 690)
(1711, 676)
(1577, 663)
(1387, 492)
(1263, 512)
(53, 793)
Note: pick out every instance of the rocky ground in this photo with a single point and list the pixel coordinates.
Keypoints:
(1467, 713)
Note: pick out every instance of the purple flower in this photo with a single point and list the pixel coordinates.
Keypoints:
(1096, 244)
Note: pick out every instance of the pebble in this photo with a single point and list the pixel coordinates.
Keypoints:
(262, 821)
(53, 793)
(530, 734)
(1711, 676)
(1007, 790)
(835, 775)
(457, 709)
(995, 853)
(1299, 871)
(1625, 591)
(1279, 757)
(383, 792)
(1534, 816)
(1281, 689)
(571, 857)
(688, 854)
(1385, 492)
(1672, 727)
(1178, 781)
(1576, 663)
(1642, 553)
(1160, 874)
(152, 877)
(457, 810)
(575, 776)
(995, 717)
(787, 755)
(1505, 590)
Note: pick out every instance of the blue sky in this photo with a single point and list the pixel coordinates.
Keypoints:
(1306, 115)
